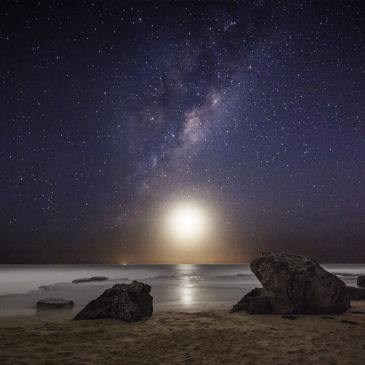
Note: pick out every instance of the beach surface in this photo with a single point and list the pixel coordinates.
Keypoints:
(211, 336)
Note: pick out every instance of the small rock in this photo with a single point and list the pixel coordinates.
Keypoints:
(54, 303)
(44, 287)
(327, 317)
(361, 281)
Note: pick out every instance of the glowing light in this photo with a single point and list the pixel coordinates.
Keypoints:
(187, 222)
(187, 297)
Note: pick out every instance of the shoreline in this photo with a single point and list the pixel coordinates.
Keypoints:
(178, 336)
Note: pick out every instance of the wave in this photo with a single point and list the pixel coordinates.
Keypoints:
(345, 274)
(202, 277)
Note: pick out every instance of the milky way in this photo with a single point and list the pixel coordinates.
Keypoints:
(112, 110)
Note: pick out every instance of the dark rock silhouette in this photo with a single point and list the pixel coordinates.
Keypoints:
(93, 278)
(294, 285)
(361, 281)
(127, 302)
(243, 304)
(54, 303)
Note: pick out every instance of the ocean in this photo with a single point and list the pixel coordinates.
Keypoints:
(174, 287)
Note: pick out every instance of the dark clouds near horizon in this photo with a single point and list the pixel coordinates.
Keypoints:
(111, 109)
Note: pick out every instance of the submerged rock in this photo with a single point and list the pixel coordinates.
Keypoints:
(127, 302)
(54, 303)
(44, 287)
(361, 281)
(93, 278)
(295, 285)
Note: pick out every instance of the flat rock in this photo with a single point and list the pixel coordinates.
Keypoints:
(87, 280)
(361, 281)
(127, 302)
(54, 303)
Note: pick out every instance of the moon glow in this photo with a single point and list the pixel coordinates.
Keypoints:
(187, 222)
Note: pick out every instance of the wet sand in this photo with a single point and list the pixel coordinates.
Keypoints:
(200, 337)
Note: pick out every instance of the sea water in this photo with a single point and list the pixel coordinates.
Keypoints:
(174, 287)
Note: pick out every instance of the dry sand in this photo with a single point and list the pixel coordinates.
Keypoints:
(205, 337)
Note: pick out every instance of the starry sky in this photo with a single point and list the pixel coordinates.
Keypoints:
(110, 111)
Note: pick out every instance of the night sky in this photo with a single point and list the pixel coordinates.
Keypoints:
(110, 111)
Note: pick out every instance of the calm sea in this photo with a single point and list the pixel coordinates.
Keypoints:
(174, 287)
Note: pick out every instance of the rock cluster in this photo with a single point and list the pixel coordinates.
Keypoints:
(294, 285)
(127, 302)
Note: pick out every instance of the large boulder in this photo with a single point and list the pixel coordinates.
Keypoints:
(296, 285)
(361, 281)
(127, 302)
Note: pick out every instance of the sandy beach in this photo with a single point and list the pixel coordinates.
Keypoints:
(203, 337)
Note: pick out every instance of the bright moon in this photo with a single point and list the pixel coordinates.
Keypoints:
(187, 222)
